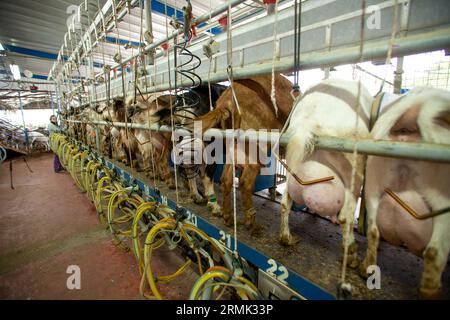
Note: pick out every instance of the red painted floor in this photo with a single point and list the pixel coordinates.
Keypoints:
(47, 224)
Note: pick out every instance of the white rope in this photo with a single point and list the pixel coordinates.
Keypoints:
(127, 132)
(170, 92)
(230, 78)
(355, 151)
(209, 84)
(391, 45)
(108, 78)
(210, 62)
(141, 39)
(275, 31)
(347, 230)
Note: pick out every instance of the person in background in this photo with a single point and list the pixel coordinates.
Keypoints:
(54, 128)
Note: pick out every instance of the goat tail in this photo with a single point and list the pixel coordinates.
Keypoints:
(301, 144)
(215, 118)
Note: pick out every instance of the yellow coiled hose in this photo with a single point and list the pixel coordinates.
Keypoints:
(129, 217)
(184, 233)
(220, 277)
(120, 226)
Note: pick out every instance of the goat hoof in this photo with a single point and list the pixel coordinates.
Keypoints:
(362, 270)
(430, 294)
(255, 228)
(199, 200)
(228, 220)
(215, 209)
(288, 240)
(170, 184)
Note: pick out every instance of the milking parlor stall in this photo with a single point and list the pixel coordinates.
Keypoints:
(225, 150)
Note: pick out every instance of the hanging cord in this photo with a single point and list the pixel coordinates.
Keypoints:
(141, 54)
(182, 68)
(210, 63)
(189, 100)
(275, 54)
(26, 162)
(390, 47)
(297, 37)
(346, 235)
(230, 78)
(170, 99)
(209, 84)
(118, 59)
(107, 73)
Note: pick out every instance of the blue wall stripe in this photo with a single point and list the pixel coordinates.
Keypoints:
(121, 41)
(41, 54)
(39, 76)
(159, 7)
(31, 52)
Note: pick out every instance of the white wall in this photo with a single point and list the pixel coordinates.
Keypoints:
(33, 118)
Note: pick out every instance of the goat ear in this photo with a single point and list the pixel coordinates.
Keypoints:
(443, 119)
(166, 99)
(162, 115)
(117, 103)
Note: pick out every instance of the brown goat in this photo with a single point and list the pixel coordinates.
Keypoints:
(256, 112)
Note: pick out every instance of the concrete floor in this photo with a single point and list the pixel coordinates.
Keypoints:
(47, 224)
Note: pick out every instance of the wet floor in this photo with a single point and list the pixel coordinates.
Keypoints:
(47, 225)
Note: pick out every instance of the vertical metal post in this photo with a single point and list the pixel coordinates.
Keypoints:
(148, 18)
(398, 74)
(58, 97)
(97, 138)
(23, 121)
(51, 102)
(148, 35)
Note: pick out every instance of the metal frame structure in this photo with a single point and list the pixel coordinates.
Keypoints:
(282, 281)
(326, 41)
(424, 26)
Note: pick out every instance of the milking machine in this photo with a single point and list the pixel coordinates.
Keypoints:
(187, 99)
(140, 223)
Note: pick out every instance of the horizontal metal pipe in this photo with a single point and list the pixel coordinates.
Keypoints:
(220, 9)
(383, 148)
(372, 50)
(50, 83)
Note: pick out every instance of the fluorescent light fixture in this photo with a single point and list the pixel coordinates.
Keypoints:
(1, 47)
(15, 71)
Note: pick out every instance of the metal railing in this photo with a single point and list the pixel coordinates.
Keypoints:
(384, 148)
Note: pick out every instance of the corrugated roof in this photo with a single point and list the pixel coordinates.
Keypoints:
(32, 32)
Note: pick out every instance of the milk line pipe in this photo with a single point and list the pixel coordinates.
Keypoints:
(374, 49)
(384, 148)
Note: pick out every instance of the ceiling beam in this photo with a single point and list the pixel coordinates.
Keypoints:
(35, 76)
(160, 8)
(44, 54)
